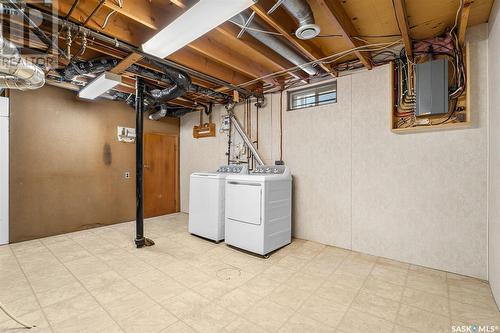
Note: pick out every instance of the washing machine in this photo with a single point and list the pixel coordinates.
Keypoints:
(206, 201)
(259, 209)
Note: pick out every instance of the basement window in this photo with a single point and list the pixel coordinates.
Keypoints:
(312, 96)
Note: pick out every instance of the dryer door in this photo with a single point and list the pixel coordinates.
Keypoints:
(244, 202)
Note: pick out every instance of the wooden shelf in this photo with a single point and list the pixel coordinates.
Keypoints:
(463, 101)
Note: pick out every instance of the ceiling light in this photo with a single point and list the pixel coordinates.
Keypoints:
(204, 16)
(99, 86)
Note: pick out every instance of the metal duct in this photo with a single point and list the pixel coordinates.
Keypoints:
(302, 12)
(179, 83)
(239, 128)
(274, 43)
(17, 72)
(169, 77)
(93, 66)
(159, 114)
(169, 111)
(91, 34)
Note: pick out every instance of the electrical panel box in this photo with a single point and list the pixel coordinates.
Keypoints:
(432, 88)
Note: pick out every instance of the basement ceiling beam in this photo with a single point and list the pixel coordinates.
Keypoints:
(339, 17)
(201, 63)
(402, 19)
(308, 51)
(253, 48)
(229, 57)
(126, 63)
(138, 11)
(179, 3)
(122, 28)
(464, 20)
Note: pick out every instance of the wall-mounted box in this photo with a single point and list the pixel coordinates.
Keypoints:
(461, 119)
(126, 134)
(432, 87)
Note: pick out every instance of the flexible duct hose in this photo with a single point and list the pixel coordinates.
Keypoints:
(17, 72)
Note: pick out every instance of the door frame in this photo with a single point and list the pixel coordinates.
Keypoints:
(177, 166)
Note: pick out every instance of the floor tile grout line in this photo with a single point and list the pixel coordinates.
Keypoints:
(140, 289)
(349, 307)
(82, 284)
(254, 275)
(315, 290)
(401, 300)
(187, 287)
(84, 287)
(449, 299)
(262, 298)
(33, 290)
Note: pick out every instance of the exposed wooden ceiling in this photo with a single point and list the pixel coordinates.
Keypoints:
(345, 24)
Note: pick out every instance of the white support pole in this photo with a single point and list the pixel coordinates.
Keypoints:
(4, 170)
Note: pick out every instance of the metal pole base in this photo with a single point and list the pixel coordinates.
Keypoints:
(141, 242)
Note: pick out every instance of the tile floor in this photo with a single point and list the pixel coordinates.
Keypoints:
(96, 281)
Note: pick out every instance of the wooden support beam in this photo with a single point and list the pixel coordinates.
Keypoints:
(199, 62)
(402, 19)
(255, 50)
(138, 11)
(230, 57)
(464, 19)
(310, 52)
(126, 63)
(179, 3)
(344, 24)
(121, 28)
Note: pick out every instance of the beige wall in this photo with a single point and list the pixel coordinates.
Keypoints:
(494, 122)
(67, 166)
(419, 198)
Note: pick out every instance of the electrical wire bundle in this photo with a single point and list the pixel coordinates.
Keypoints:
(445, 46)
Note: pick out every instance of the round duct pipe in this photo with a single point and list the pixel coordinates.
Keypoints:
(17, 72)
(302, 12)
(274, 43)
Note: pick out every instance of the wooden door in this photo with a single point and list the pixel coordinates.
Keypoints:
(161, 174)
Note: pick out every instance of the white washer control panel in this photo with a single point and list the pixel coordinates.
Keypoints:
(232, 169)
(269, 170)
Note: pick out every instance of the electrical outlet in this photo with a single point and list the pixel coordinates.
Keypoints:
(127, 175)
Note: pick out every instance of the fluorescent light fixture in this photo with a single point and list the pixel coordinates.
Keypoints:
(99, 86)
(194, 23)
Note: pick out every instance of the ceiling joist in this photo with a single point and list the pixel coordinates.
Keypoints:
(464, 20)
(402, 18)
(344, 24)
(126, 63)
(253, 49)
(229, 57)
(140, 12)
(308, 51)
